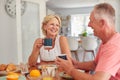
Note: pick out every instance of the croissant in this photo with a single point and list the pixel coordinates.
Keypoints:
(3, 67)
(11, 67)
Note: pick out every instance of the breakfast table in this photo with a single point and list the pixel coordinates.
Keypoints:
(57, 75)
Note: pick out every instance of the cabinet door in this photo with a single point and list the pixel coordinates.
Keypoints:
(30, 24)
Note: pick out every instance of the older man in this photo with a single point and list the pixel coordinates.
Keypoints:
(106, 65)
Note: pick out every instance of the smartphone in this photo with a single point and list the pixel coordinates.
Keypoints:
(63, 56)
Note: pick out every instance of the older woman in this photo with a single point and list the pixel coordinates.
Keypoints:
(50, 27)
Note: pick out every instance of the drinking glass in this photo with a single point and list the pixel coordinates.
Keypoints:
(24, 68)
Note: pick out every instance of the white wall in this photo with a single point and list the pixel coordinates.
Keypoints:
(48, 11)
(9, 35)
(8, 39)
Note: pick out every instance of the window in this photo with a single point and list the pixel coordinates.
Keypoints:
(79, 24)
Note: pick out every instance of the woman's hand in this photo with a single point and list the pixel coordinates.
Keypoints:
(35, 52)
(38, 44)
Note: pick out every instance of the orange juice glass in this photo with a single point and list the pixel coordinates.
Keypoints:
(47, 78)
(12, 76)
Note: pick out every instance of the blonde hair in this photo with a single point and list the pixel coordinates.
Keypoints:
(47, 19)
(105, 11)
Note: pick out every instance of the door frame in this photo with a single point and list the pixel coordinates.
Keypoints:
(42, 14)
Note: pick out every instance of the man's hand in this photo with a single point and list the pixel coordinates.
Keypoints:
(66, 65)
(75, 63)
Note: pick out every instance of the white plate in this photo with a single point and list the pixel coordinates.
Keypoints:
(4, 73)
(50, 65)
(33, 78)
(65, 76)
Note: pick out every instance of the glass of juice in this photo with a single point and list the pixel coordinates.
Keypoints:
(12, 76)
(47, 78)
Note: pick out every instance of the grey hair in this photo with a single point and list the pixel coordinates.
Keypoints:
(105, 11)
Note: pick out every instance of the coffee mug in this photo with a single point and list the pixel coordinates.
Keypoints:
(48, 43)
(63, 56)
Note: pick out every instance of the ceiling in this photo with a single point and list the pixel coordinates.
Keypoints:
(71, 6)
(70, 3)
